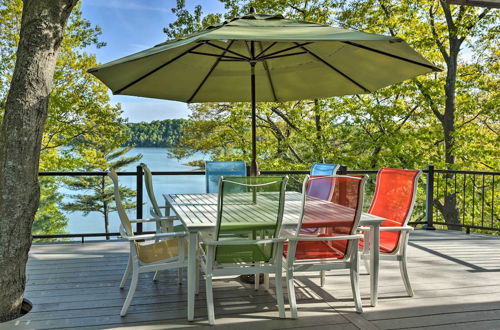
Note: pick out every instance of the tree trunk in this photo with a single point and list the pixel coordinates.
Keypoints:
(106, 220)
(319, 133)
(105, 206)
(449, 208)
(42, 28)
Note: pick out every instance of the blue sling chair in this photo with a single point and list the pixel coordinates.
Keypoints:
(214, 170)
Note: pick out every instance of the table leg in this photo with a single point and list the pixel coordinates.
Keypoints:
(167, 213)
(374, 263)
(191, 274)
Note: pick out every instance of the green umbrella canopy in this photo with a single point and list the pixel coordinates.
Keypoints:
(291, 59)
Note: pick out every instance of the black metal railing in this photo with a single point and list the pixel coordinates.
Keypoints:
(446, 199)
(465, 200)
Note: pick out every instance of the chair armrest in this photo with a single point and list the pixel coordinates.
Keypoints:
(243, 242)
(154, 219)
(158, 235)
(405, 228)
(287, 233)
(334, 238)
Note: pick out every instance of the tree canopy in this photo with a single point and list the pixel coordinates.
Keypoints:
(449, 119)
(158, 133)
(80, 117)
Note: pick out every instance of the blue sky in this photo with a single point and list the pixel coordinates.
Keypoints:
(129, 26)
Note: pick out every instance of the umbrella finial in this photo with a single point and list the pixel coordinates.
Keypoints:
(252, 10)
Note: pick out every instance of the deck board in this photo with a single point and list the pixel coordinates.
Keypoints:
(455, 279)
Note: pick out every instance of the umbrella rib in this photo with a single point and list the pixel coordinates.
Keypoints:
(210, 72)
(229, 51)
(432, 67)
(215, 55)
(335, 69)
(118, 91)
(284, 55)
(266, 49)
(266, 67)
(297, 45)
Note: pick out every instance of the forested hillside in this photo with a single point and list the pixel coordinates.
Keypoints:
(158, 133)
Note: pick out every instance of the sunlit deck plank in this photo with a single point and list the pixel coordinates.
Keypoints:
(455, 278)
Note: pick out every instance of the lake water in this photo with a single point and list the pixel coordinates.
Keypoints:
(157, 160)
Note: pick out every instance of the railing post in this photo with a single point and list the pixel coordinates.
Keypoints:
(139, 198)
(429, 199)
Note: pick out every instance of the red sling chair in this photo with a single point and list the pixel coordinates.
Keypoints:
(394, 197)
(334, 244)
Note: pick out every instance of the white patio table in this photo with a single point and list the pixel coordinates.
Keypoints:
(198, 212)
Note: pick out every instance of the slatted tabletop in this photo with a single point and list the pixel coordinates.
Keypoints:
(199, 211)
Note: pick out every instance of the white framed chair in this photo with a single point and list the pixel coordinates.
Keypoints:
(167, 253)
(335, 242)
(166, 224)
(394, 198)
(250, 211)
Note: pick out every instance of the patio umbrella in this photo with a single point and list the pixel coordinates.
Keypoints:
(264, 58)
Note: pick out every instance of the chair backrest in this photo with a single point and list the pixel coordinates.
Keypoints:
(214, 170)
(148, 179)
(324, 169)
(321, 189)
(336, 215)
(394, 197)
(125, 221)
(254, 211)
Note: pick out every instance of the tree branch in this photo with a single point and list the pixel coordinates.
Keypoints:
(430, 100)
(387, 16)
(438, 42)
(281, 136)
(470, 120)
(284, 117)
(473, 24)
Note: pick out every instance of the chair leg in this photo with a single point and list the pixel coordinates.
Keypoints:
(366, 251)
(127, 272)
(131, 291)
(179, 275)
(291, 293)
(279, 292)
(366, 262)
(322, 275)
(197, 284)
(266, 281)
(210, 300)
(257, 281)
(354, 272)
(404, 275)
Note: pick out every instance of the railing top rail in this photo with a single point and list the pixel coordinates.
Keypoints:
(468, 172)
(129, 173)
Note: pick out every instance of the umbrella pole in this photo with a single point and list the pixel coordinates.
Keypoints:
(253, 165)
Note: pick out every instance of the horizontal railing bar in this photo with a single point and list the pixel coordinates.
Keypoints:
(97, 173)
(467, 172)
(466, 226)
(284, 172)
(84, 235)
(179, 173)
(362, 172)
(102, 173)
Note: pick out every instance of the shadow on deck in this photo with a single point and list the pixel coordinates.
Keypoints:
(455, 278)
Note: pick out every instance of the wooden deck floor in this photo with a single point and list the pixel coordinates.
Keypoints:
(455, 278)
